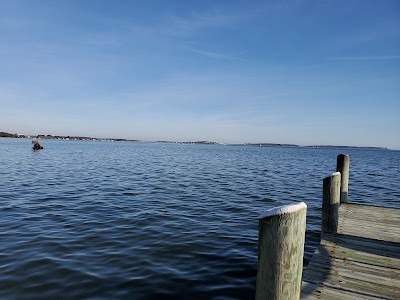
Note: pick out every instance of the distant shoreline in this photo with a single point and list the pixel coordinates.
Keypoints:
(80, 138)
(316, 146)
(62, 137)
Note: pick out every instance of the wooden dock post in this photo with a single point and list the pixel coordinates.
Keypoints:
(342, 166)
(280, 252)
(330, 203)
(359, 253)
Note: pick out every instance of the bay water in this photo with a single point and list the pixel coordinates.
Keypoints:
(125, 220)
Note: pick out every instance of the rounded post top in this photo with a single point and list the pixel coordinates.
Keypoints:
(333, 175)
(285, 209)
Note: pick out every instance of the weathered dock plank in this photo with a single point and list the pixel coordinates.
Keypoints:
(361, 261)
(358, 256)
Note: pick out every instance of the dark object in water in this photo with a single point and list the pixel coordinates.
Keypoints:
(36, 145)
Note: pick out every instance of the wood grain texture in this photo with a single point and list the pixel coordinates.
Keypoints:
(330, 203)
(361, 261)
(343, 166)
(280, 255)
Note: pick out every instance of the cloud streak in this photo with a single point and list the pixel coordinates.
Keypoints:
(214, 55)
(377, 57)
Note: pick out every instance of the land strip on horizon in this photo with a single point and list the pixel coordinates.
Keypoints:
(80, 138)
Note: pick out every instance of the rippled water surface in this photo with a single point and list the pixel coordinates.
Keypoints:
(103, 220)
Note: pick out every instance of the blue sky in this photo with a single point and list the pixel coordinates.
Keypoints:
(303, 72)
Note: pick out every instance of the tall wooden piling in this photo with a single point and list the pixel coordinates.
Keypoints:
(343, 166)
(359, 253)
(330, 203)
(280, 252)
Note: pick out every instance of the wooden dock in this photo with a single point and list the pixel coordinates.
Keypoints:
(358, 256)
(361, 261)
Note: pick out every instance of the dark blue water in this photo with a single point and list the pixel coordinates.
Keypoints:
(102, 220)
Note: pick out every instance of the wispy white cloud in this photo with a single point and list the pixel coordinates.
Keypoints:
(180, 26)
(215, 55)
(204, 20)
(377, 57)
